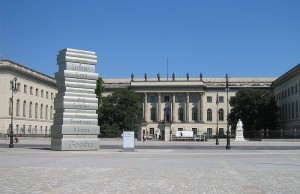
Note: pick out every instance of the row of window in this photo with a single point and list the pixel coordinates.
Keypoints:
(45, 111)
(30, 130)
(181, 98)
(288, 92)
(38, 92)
(289, 111)
(180, 115)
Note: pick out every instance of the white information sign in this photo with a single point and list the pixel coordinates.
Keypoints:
(128, 141)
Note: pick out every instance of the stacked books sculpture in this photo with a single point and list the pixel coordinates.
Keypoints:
(75, 125)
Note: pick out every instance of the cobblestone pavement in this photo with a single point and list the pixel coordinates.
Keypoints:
(40, 170)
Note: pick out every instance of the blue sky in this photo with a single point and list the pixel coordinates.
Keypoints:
(244, 38)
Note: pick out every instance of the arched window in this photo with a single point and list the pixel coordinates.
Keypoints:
(195, 114)
(36, 110)
(153, 114)
(24, 108)
(180, 114)
(209, 115)
(221, 115)
(41, 113)
(30, 110)
(46, 112)
(18, 108)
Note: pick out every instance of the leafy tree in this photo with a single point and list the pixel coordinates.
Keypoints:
(118, 112)
(99, 89)
(256, 108)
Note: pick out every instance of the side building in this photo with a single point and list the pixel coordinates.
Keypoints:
(33, 106)
(185, 104)
(287, 94)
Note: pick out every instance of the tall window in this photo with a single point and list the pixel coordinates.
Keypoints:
(24, 108)
(37, 92)
(31, 90)
(51, 112)
(194, 114)
(180, 114)
(36, 110)
(46, 112)
(18, 108)
(293, 110)
(194, 99)
(167, 113)
(221, 115)
(221, 99)
(25, 89)
(180, 98)
(166, 98)
(41, 113)
(209, 115)
(47, 95)
(209, 132)
(42, 93)
(30, 110)
(153, 114)
(297, 114)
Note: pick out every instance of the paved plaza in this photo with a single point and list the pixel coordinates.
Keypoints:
(154, 167)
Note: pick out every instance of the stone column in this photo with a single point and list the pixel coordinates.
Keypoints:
(201, 107)
(173, 108)
(198, 108)
(146, 108)
(159, 107)
(187, 107)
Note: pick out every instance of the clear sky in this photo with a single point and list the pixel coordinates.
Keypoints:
(244, 38)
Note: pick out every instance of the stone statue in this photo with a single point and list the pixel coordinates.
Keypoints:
(201, 76)
(239, 135)
(173, 76)
(132, 76)
(158, 76)
(187, 76)
(145, 76)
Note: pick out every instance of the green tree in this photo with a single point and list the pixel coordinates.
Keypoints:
(99, 89)
(256, 108)
(120, 111)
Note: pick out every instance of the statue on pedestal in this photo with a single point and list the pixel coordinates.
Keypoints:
(239, 135)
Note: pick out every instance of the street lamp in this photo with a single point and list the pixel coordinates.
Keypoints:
(217, 130)
(13, 89)
(228, 147)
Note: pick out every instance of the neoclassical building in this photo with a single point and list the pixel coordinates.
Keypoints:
(169, 105)
(287, 94)
(32, 102)
(185, 104)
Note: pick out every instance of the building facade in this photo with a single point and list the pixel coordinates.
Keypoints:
(185, 104)
(287, 94)
(33, 107)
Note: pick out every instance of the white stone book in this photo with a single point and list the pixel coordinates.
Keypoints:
(60, 136)
(62, 52)
(76, 115)
(77, 74)
(75, 111)
(76, 105)
(77, 67)
(60, 98)
(63, 59)
(79, 94)
(75, 130)
(75, 144)
(60, 84)
(74, 121)
(76, 90)
(70, 79)
(80, 55)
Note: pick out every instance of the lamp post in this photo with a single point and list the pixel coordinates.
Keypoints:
(217, 130)
(13, 89)
(228, 147)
